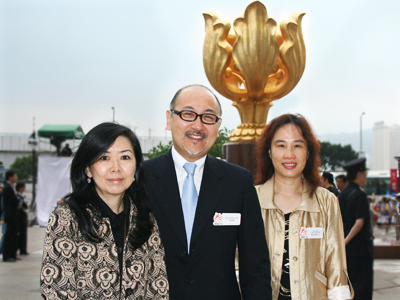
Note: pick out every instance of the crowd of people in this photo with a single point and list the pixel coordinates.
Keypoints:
(173, 226)
(383, 210)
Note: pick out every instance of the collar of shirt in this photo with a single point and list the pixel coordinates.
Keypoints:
(353, 184)
(108, 213)
(267, 194)
(181, 174)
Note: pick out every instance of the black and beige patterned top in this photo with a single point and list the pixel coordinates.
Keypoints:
(75, 268)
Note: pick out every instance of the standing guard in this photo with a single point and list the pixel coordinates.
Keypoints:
(357, 230)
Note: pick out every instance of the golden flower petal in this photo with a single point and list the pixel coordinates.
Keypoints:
(256, 50)
(292, 60)
(216, 51)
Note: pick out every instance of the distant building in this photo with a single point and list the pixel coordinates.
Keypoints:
(386, 145)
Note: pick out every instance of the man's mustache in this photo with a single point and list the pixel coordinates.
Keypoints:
(197, 132)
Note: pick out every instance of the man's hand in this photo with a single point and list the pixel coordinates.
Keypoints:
(354, 230)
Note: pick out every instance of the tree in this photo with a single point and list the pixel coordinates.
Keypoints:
(216, 149)
(23, 167)
(160, 149)
(333, 156)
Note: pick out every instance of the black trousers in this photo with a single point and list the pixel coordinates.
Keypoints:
(361, 275)
(22, 232)
(10, 240)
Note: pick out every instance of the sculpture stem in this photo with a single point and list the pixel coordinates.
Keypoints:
(253, 114)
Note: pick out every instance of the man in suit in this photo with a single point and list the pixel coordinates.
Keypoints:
(10, 204)
(205, 207)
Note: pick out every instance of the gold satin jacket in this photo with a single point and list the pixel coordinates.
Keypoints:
(317, 266)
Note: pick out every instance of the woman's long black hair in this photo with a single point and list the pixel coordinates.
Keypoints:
(94, 144)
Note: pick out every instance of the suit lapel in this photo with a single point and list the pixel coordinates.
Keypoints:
(166, 190)
(211, 192)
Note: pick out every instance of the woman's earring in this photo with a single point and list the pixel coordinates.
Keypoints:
(89, 180)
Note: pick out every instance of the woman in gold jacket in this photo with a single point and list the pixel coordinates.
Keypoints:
(302, 220)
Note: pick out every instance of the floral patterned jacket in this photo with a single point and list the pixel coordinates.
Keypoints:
(74, 268)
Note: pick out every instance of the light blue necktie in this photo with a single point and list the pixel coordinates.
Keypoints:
(189, 200)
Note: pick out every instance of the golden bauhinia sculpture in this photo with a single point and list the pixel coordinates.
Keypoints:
(254, 64)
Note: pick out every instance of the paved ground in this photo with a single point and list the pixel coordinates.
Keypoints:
(20, 281)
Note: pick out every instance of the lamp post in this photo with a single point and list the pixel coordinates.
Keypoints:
(33, 143)
(398, 177)
(361, 152)
(113, 109)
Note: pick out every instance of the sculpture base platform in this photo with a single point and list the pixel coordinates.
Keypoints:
(241, 154)
(390, 252)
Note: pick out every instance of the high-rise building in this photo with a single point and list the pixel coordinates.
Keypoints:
(386, 145)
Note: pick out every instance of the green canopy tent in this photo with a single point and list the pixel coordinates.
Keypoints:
(59, 133)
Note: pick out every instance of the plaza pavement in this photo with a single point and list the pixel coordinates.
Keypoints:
(20, 280)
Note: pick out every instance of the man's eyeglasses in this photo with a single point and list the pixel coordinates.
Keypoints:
(191, 116)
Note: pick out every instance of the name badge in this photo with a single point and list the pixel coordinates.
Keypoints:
(227, 219)
(311, 232)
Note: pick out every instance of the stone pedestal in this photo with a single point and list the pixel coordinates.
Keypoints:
(389, 252)
(241, 154)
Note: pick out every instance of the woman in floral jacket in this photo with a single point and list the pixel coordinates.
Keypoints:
(104, 243)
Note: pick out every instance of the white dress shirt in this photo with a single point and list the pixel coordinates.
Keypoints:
(181, 174)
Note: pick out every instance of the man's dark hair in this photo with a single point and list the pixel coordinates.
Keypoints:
(328, 176)
(172, 104)
(343, 177)
(9, 173)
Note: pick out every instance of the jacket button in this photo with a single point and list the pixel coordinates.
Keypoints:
(128, 263)
(189, 280)
(295, 258)
(183, 253)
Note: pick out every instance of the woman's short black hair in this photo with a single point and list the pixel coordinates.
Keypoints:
(329, 176)
(19, 185)
(96, 142)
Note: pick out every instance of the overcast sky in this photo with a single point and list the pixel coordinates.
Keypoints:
(70, 61)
